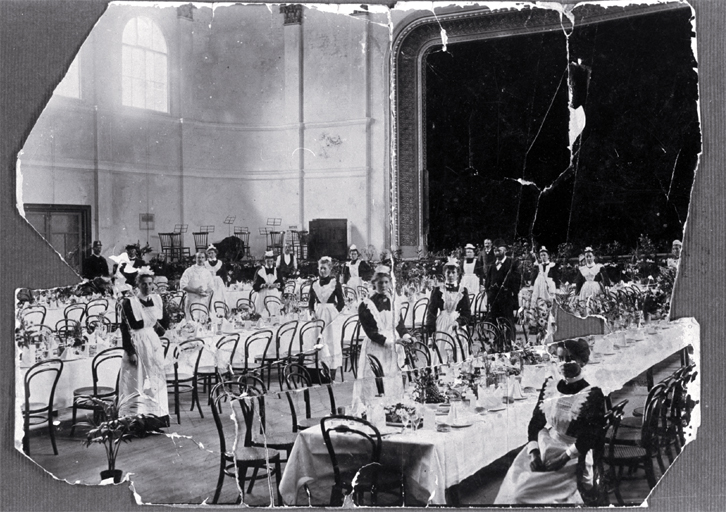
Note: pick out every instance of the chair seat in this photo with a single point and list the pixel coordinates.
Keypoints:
(638, 412)
(88, 391)
(36, 407)
(182, 376)
(252, 453)
(207, 370)
(626, 452)
(275, 440)
(632, 422)
(304, 423)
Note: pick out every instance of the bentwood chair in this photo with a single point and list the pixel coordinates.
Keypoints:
(96, 307)
(448, 343)
(634, 452)
(594, 490)
(358, 471)
(377, 369)
(362, 292)
(245, 305)
(305, 291)
(94, 321)
(253, 345)
(272, 355)
(241, 455)
(420, 309)
(190, 352)
(33, 315)
(310, 334)
(105, 363)
(239, 363)
(299, 381)
(221, 309)
(38, 409)
(350, 294)
(349, 343)
(199, 312)
(74, 312)
(273, 305)
(67, 328)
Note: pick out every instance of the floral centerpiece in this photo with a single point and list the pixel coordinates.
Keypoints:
(399, 412)
(425, 390)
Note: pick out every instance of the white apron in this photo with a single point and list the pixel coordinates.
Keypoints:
(469, 279)
(331, 353)
(148, 376)
(446, 321)
(194, 277)
(354, 281)
(391, 356)
(543, 287)
(591, 287)
(217, 283)
(267, 292)
(524, 486)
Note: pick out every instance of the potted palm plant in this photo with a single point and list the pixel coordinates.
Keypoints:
(111, 429)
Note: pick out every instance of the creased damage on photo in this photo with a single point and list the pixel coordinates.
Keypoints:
(355, 255)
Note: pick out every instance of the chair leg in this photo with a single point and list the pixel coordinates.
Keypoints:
(220, 481)
(241, 476)
(176, 403)
(616, 485)
(253, 479)
(649, 471)
(26, 435)
(73, 421)
(278, 478)
(51, 432)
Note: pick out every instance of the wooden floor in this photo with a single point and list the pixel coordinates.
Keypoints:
(182, 466)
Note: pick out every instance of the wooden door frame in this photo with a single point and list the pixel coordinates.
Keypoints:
(85, 228)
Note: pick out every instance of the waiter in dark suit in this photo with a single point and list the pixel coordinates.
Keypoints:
(95, 265)
(487, 257)
(502, 286)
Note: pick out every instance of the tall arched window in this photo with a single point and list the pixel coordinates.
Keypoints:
(144, 67)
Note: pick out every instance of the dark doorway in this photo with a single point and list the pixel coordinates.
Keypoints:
(66, 227)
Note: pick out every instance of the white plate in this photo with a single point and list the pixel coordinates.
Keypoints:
(461, 425)
(497, 408)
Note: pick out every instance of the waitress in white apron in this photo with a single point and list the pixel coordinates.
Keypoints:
(449, 308)
(217, 270)
(376, 319)
(355, 270)
(267, 284)
(326, 301)
(197, 282)
(545, 278)
(471, 270)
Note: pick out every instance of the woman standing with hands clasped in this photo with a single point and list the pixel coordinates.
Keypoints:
(376, 319)
(198, 283)
(326, 301)
(142, 380)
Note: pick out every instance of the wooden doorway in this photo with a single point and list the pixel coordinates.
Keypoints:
(67, 227)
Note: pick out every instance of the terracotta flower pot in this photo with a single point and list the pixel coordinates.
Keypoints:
(116, 474)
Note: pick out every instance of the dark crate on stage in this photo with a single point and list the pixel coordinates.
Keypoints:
(328, 237)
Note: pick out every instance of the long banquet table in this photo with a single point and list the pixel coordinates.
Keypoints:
(433, 462)
(77, 367)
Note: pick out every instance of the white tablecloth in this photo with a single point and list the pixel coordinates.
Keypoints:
(433, 462)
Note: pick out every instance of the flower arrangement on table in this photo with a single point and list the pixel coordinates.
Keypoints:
(290, 304)
(425, 390)
(399, 412)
